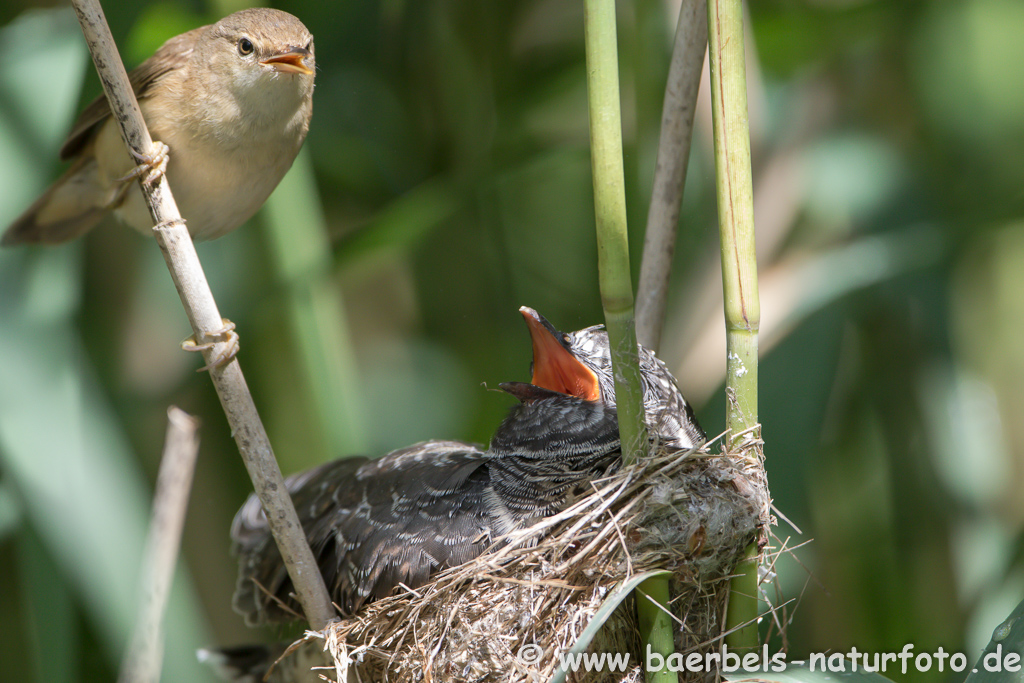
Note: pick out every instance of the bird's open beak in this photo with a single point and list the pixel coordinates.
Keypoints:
(291, 62)
(554, 366)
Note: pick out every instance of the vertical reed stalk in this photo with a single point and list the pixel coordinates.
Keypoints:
(610, 215)
(616, 283)
(739, 269)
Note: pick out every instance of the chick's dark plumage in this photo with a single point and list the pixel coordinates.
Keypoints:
(375, 524)
(371, 524)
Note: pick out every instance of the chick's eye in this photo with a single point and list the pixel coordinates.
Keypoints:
(245, 46)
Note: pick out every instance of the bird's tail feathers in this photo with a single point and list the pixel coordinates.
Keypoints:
(70, 207)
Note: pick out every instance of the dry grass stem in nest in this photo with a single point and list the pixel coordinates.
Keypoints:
(690, 512)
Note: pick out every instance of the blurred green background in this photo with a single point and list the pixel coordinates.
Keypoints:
(444, 183)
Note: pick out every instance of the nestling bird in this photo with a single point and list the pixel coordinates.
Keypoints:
(231, 101)
(373, 524)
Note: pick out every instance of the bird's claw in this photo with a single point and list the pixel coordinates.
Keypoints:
(151, 166)
(225, 335)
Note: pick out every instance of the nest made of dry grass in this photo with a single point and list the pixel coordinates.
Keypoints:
(690, 512)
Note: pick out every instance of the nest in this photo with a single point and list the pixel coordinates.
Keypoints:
(689, 512)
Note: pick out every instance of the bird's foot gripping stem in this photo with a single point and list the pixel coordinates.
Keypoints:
(152, 166)
(225, 334)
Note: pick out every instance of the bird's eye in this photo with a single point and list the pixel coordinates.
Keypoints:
(245, 46)
(309, 45)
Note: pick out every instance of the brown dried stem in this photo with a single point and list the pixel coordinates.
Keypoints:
(190, 281)
(684, 73)
(170, 500)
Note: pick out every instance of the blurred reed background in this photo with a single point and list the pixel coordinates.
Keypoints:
(444, 183)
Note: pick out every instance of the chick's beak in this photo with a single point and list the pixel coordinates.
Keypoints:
(554, 366)
(292, 61)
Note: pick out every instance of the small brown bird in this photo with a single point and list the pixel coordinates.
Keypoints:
(232, 102)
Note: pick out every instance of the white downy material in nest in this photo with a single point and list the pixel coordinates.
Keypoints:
(690, 512)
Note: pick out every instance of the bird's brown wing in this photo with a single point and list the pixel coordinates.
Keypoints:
(172, 55)
(371, 525)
